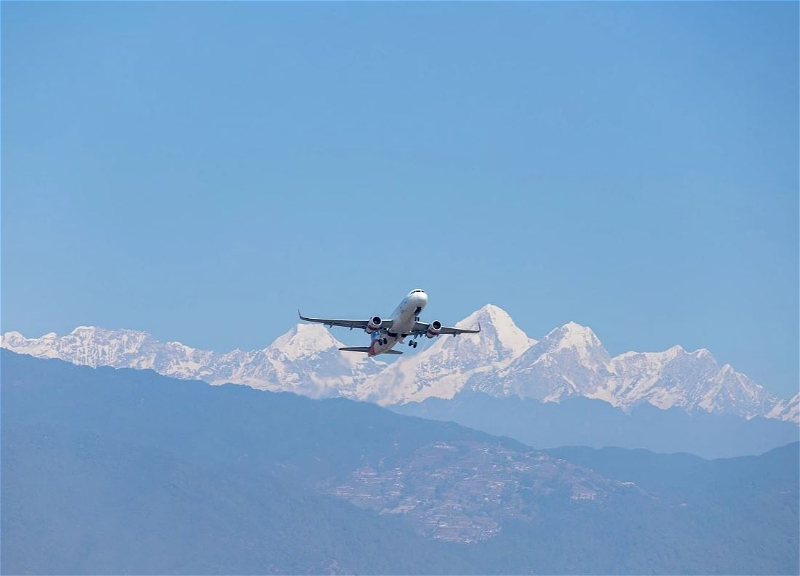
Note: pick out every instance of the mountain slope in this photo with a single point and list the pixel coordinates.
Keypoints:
(305, 360)
(227, 479)
(689, 380)
(442, 369)
(579, 421)
(568, 361)
(787, 410)
(501, 361)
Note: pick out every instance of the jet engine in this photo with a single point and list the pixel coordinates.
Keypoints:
(374, 324)
(433, 329)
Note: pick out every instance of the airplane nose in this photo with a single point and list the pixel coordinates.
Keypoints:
(422, 299)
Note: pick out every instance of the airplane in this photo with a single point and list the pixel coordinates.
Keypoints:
(404, 322)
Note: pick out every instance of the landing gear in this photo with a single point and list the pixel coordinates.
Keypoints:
(415, 343)
(412, 343)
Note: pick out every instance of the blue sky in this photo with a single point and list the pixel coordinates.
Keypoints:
(201, 170)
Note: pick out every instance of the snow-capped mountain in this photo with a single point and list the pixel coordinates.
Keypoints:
(442, 369)
(501, 361)
(690, 380)
(787, 410)
(571, 361)
(568, 361)
(305, 360)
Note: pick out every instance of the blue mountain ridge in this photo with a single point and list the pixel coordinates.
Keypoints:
(124, 471)
(588, 422)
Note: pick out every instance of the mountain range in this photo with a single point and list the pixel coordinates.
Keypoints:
(111, 471)
(501, 361)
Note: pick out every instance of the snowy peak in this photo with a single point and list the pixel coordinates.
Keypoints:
(688, 380)
(501, 361)
(702, 353)
(498, 330)
(304, 360)
(40, 347)
(576, 338)
(787, 410)
(83, 330)
(314, 343)
(729, 391)
(568, 361)
(305, 340)
(444, 366)
(85, 345)
(573, 333)
(499, 341)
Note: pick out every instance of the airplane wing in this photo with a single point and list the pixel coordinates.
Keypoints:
(386, 324)
(366, 349)
(422, 327)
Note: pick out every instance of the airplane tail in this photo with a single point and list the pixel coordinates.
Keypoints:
(366, 349)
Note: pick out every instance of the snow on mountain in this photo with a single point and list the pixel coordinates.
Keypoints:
(689, 380)
(441, 369)
(571, 361)
(501, 361)
(305, 360)
(568, 361)
(641, 376)
(788, 410)
(90, 346)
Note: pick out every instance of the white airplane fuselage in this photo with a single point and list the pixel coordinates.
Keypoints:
(403, 319)
(387, 332)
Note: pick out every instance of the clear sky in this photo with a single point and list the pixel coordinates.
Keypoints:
(202, 170)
